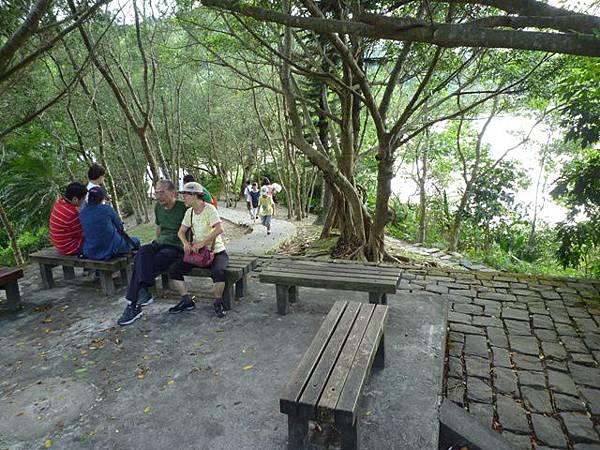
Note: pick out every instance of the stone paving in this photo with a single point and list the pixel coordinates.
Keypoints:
(522, 354)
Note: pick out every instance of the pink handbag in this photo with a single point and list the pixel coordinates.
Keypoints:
(203, 257)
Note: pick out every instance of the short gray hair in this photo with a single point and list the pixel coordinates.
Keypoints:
(167, 184)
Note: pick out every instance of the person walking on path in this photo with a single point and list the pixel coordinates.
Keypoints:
(247, 194)
(104, 232)
(254, 196)
(267, 208)
(205, 224)
(156, 257)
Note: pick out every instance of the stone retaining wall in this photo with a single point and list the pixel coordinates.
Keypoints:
(523, 353)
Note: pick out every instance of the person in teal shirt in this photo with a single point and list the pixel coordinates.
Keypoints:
(158, 256)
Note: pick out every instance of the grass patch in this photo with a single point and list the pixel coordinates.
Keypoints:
(146, 232)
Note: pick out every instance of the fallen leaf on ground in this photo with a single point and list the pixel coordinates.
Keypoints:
(147, 409)
(81, 370)
(48, 443)
(248, 367)
(170, 382)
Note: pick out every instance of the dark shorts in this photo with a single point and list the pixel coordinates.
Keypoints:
(217, 268)
(266, 221)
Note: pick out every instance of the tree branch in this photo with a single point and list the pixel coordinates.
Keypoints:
(412, 30)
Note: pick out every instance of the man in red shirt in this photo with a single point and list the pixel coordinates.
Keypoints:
(65, 230)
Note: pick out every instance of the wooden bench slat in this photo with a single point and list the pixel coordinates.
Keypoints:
(340, 274)
(337, 266)
(8, 275)
(337, 380)
(347, 403)
(318, 380)
(52, 257)
(293, 390)
(324, 281)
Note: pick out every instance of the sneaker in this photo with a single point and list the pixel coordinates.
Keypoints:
(219, 308)
(186, 304)
(130, 315)
(144, 298)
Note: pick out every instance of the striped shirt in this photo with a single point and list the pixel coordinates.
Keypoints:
(65, 229)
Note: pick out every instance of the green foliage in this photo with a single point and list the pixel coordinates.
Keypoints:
(497, 258)
(578, 245)
(29, 242)
(579, 88)
(32, 178)
(579, 189)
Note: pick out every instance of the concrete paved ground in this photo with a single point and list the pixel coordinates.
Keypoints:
(71, 379)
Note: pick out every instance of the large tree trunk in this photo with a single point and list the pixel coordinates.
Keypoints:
(385, 173)
(458, 217)
(12, 237)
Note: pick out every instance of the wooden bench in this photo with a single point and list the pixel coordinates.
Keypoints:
(236, 273)
(9, 282)
(327, 384)
(287, 275)
(49, 258)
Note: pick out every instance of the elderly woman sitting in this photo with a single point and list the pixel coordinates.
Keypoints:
(204, 221)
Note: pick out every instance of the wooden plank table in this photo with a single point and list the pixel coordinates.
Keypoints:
(9, 282)
(236, 273)
(287, 275)
(327, 384)
(49, 258)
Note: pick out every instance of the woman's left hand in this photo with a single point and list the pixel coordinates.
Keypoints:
(197, 246)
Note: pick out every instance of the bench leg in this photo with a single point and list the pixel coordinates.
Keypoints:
(297, 431)
(68, 273)
(283, 294)
(293, 294)
(13, 296)
(228, 294)
(46, 274)
(379, 361)
(124, 276)
(377, 298)
(106, 280)
(241, 287)
(165, 281)
(349, 436)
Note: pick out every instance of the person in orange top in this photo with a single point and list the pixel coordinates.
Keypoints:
(66, 233)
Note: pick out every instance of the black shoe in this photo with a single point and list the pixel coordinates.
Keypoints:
(130, 315)
(144, 298)
(219, 308)
(186, 304)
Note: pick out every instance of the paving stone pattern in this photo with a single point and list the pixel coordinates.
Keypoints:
(523, 353)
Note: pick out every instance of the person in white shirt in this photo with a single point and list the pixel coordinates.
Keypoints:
(248, 195)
